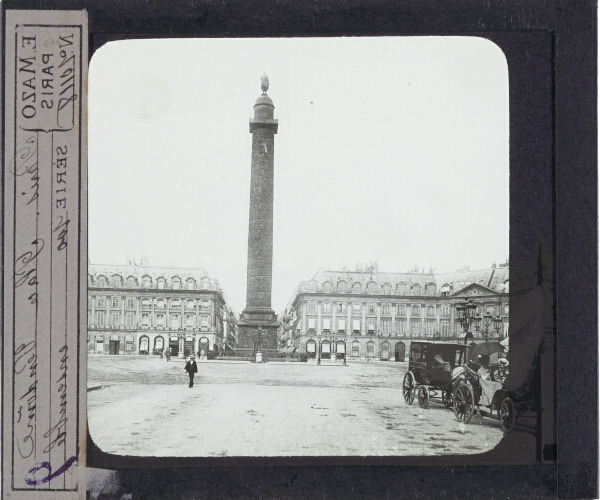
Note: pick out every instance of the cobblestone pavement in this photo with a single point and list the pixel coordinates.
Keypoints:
(142, 406)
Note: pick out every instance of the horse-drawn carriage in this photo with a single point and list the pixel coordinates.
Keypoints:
(430, 366)
(452, 371)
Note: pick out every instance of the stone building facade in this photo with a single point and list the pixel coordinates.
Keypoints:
(367, 314)
(138, 309)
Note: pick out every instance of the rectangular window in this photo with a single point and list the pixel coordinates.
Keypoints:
(401, 310)
(190, 304)
(400, 327)
(146, 303)
(145, 320)
(205, 304)
(371, 326)
(100, 319)
(175, 303)
(386, 309)
(190, 321)
(356, 325)
(416, 310)
(341, 307)
(101, 301)
(114, 320)
(505, 329)
(160, 304)
(204, 321)
(445, 327)
(160, 320)
(326, 324)
(129, 320)
(415, 328)
(356, 308)
(490, 309)
(311, 323)
(431, 311)
(130, 303)
(386, 326)
(115, 302)
(129, 345)
(312, 307)
(445, 310)
(174, 322)
(371, 308)
(429, 328)
(341, 325)
(326, 307)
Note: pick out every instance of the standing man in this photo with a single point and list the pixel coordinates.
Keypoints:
(191, 367)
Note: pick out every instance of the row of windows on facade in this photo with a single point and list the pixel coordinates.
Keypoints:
(399, 327)
(159, 320)
(130, 303)
(326, 347)
(386, 308)
(373, 288)
(176, 283)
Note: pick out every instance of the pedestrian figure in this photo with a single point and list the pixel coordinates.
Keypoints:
(168, 353)
(191, 367)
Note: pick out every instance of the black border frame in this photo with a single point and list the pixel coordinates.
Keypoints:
(570, 28)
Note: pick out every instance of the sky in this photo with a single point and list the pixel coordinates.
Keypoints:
(390, 149)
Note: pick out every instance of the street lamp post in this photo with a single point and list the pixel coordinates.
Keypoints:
(465, 316)
(319, 349)
(486, 320)
(259, 333)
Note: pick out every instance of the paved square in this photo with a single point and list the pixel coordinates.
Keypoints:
(142, 406)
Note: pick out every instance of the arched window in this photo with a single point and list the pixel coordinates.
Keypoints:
(356, 288)
(355, 349)
(387, 289)
(90, 279)
(144, 343)
(416, 289)
(117, 281)
(160, 283)
(312, 286)
(326, 349)
(176, 283)
(401, 288)
(191, 284)
(146, 281)
(327, 287)
(311, 348)
(399, 351)
(102, 281)
(370, 349)
(372, 287)
(342, 287)
(131, 282)
(430, 289)
(205, 284)
(385, 351)
(159, 343)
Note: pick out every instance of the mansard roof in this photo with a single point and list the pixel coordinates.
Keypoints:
(169, 274)
(493, 279)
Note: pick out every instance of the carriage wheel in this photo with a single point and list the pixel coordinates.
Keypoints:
(423, 396)
(408, 388)
(463, 403)
(507, 414)
(447, 398)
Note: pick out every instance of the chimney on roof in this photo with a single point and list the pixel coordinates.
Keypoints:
(494, 265)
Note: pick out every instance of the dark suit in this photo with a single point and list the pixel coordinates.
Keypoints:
(191, 367)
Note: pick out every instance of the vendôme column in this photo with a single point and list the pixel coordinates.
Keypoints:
(258, 322)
